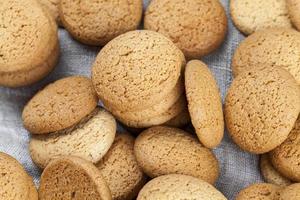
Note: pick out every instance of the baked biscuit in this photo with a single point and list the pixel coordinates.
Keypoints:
(197, 27)
(163, 150)
(261, 108)
(29, 43)
(204, 103)
(98, 22)
(259, 191)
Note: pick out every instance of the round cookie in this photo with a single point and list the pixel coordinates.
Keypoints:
(29, 48)
(197, 27)
(204, 103)
(52, 7)
(163, 150)
(286, 157)
(261, 108)
(90, 140)
(157, 109)
(291, 192)
(15, 183)
(270, 174)
(137, 70)
(60, 105)
(158, 119)
(180, 120)
(259, 191)
(175, 186)
(97, 22)
(271, 47)
(121, 170)
(72, 178)
(250, 16)
(294, 12)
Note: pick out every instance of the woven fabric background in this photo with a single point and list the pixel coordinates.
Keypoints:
(238, 168)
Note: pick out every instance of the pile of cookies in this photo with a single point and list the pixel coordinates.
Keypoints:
(152, 83)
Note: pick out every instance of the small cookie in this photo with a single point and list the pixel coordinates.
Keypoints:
(60, 105)
(15, 183)
(52, 7)
(286, 157)
(72, 178)
(197, 27)
(137, 70)
(155, 110)
(176, 186)
(294, 12)
(98, 22)
(253, 15)
(261, 108)
(121, 170)
(291, 192)
(163, 150)
(270, 174)
(180, 120)
(259, 191)
(204, 103)
(29, 43)
(271, 47)
(159, 119)
(90, 139)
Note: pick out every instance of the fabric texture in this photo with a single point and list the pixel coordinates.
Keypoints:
(238, 168)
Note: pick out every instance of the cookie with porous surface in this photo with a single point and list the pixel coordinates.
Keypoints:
(137, 70)
(286, 157)
(204, 103)
(164, 150)
(261, 108)
(270, 174)
(29, 48)
(120, 169)
(175, 186)
(90, 139)
(72, 178)
(15, 183)
(60, 105)
(253, 15)
(197, 27)
(273, 47)
(294, 12)
(97, 22)
(259, 191)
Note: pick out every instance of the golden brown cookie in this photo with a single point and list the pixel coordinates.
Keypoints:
(175, 187)
(121, 170)
(29, 48)
(291, 192)
(72, 178)
(137, 70)
(15, 183)
(90, 140)
(182, 119)
(157, 119)
(261, 108)
(163, 150)
(197, 27)
(259, 191)
(204, 103)
(253, 15)
(270, 174)
(52, 7)
(286, 157)
(96, 22)
(294, 12)
(60, 105)
(271, 47)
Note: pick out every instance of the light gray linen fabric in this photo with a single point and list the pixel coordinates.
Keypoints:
(238, 168)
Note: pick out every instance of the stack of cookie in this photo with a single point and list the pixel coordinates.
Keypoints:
(138, 78)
